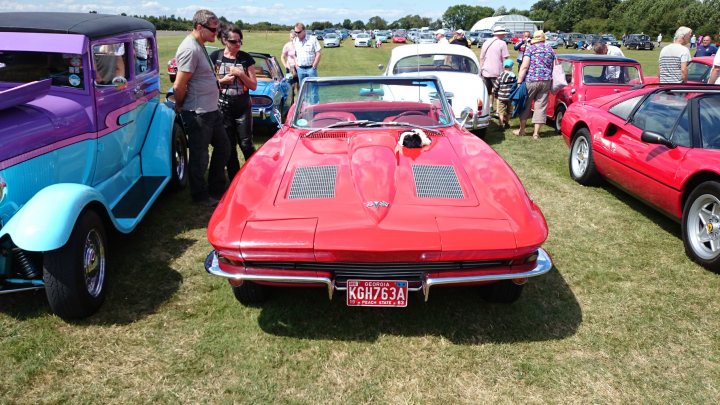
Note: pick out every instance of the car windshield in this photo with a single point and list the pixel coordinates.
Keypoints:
(436, 63)
(371, 102)
(24, 67)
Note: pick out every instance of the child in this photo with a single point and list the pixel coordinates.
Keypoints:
(503, 87)
(378, 43)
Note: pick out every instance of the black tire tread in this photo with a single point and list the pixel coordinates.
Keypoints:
(501, 292)
(591, 176)
(249, 293)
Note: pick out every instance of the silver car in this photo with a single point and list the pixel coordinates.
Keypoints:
(331, 40)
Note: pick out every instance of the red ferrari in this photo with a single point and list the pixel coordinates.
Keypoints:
(372, 188)
(660, 144)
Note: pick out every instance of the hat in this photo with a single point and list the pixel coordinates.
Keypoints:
(538, 36)
(499, 30)
(440, 31)
(508, 63)
(460, 31)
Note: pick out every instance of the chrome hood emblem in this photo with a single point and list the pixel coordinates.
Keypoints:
(376, 204)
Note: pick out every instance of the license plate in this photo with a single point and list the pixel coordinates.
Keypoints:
(377, 293)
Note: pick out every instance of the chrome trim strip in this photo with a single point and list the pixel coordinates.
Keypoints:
(12, 291)
(544, 264)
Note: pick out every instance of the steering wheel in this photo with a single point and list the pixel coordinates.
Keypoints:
(411, 112)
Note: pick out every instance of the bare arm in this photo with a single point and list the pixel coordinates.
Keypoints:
(247, 78)
(180, 89)
(523, 68)
(684, 71)
(316, 62)
(714, 75)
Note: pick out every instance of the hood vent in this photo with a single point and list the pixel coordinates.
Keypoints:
(313, 182)
(327, 135)
(432, 181)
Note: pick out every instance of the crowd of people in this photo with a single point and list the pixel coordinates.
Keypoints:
(212, 90)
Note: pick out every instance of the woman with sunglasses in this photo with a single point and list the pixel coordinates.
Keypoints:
(236, 75)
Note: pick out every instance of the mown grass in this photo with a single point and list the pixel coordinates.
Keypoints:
(623, 317)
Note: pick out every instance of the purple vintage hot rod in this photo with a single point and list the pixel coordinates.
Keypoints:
(85, 146)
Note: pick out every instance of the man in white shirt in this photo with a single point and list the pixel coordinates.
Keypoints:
(674, 58)
(307, 55)
(715, 70)
(440, 36)
(612, 73)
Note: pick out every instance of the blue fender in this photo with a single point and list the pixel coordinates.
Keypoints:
(46, 221)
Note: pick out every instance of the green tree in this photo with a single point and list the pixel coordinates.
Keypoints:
(347, 24)
(463, 16)
(358, 25)
(376, 23)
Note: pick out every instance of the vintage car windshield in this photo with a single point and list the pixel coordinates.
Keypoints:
(363, 102)
(435, 63)
(25, 67)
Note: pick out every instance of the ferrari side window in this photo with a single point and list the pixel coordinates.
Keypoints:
(681, 134)
(710, 122)
(660, 112)
(624, 108)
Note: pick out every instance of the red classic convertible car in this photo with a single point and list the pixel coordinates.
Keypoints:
(660, 144)
(373, 188)
(589, 77)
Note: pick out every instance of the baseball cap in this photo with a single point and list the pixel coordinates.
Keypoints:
(440, 31)
(508, 63)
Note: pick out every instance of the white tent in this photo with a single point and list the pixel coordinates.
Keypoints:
(512, 22)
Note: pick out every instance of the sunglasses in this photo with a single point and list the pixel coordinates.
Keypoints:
(297, 32)
(234, 41)
(211, 29)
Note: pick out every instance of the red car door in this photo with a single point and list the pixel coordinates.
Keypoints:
(649, 170)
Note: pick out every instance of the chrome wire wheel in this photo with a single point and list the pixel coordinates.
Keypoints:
(180, 158)
(703, 226)
(579, 156)
(94, 263)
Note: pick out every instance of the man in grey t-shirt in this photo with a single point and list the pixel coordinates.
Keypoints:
(674, 58)
(196, 100)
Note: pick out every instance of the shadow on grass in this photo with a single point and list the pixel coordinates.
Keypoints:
(140, 278)
(664, 222)
(547, 310)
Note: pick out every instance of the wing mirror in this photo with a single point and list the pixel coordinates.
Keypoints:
(381, 67)
(465, 115)
(656, 138)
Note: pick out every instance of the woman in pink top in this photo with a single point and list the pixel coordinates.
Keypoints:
(288, 60)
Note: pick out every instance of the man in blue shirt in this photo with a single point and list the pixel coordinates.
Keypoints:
(706, 48)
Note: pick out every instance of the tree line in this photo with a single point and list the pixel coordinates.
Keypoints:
(587, 16)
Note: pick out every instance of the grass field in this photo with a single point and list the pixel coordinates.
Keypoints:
(624, 316)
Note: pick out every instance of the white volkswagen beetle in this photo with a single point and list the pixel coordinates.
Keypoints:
(458, 69)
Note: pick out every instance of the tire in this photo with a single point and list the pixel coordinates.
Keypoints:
(581, 162)
(559, 114)
(179, 158)
(249, 293)
(701, 225)
(501, 292)
(74, 274)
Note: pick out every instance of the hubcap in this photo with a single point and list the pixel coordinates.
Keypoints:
(579, 156)
(94, 263)
(703, 226)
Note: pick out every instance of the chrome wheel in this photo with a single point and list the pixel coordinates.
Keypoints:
(579, 156)
(180, 158)
(94, 263)
(703, 226)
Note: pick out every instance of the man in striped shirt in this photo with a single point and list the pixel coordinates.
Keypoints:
(674, 58)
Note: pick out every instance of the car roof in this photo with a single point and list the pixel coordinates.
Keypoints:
(578, 57)
(430, 49)
(89, 24)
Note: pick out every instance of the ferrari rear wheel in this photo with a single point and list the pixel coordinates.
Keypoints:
(502, 292)
(581, 162)
(249, 293)
(701, 225)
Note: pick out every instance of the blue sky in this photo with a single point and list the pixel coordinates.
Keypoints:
(253, 11)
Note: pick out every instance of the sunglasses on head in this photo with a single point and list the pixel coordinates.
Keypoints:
(234, 41)
(211, 29)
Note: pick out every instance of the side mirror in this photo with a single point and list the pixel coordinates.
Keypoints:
(465, 115)
(381, 67)
(655, 138)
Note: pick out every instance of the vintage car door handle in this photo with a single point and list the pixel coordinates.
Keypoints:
(138, 92)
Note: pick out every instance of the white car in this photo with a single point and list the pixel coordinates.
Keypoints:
(426, 38)
(331, 40)
(363, 40)
(458, 69)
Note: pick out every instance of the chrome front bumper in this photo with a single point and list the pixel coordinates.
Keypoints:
(477, 122)
(544, 264)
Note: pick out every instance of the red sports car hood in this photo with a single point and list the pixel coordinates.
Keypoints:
(359, 191)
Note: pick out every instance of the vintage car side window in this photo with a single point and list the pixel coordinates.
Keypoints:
(624, 108)
(697, 71)
(567, 68)
(110, 64)
(609, 74)
(65, 70)
(710, 122)
(143, 56)
(660, 112)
